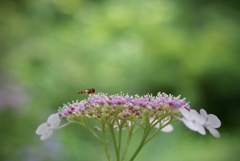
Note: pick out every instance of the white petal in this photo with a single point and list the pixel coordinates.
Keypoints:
(203, 113)
(213, 121)
(115, 126)
(194, 126)
(201, 130)
(42, 129)
(167, 128)
(54, 120)
(151, 120)
(213, 131)
(46, 135)
(189, 124)
(157, 126)
(163, 123)
(129, 123)
(195, 116)
(185, 113)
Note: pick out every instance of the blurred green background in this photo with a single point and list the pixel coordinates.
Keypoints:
(50, 49)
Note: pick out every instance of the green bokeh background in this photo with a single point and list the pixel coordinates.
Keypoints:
(50, 49)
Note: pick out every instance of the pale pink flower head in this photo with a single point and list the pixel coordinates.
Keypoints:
(129, 105)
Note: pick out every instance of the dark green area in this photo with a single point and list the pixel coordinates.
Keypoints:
(52, 49)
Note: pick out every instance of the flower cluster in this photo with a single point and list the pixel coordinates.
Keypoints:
(119, 112)
(102, 105)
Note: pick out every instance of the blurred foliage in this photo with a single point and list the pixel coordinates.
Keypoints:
(50, 49)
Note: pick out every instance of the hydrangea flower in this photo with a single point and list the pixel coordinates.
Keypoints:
(45, 130)
(115, 114)
(198, 122)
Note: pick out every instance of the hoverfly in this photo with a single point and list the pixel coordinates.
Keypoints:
(87, 91)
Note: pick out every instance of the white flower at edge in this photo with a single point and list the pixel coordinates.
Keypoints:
(198, 122)
(193, 120)
(45, 130)
(212, 122)
(167, 128)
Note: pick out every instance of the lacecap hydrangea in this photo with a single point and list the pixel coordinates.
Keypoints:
(114, 114)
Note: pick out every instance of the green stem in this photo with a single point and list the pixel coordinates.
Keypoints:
(105, 143)
(146, 132)
(120, 139)
(105, 146)
(94, 134)
(130, 134)
(114, 142)
(155, 132)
